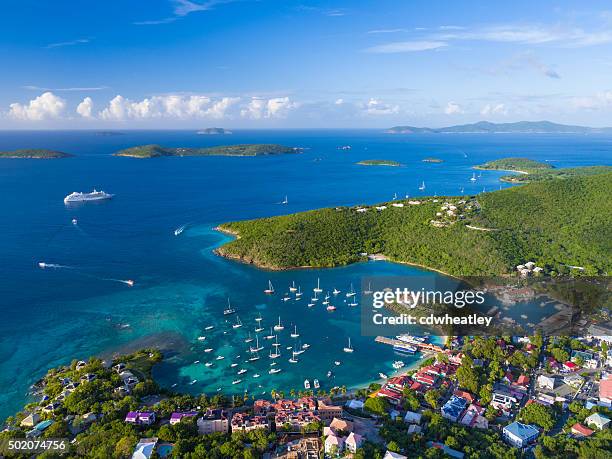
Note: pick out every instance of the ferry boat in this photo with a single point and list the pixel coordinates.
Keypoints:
(270, 289)
(229, 310)
(85, 197)
(316, 384)
(317, 289)
(295, 334)
(405, 348)
(348, 349)
(279, 326)
(293, 288)
(306, 384)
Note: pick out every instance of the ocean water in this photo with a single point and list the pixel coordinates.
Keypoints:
(83, 308)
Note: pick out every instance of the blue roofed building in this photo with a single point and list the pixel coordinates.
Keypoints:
(520, 435)
(453, 409)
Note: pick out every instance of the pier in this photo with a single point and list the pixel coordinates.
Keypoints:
(420, 346)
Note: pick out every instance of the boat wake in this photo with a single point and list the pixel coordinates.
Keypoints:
(44, 265)
(180, 229)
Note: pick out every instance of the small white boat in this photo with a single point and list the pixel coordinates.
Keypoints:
(259, 319)
(317, 289)
(353, 303)
(208, 349)
(249, 339)
(311, 305)
(336, 291)
(369, 290)
(193, 382)
(315, 298)
(208, 364)
(220, 357)
(422, 187)
(293, 359)
(274, 371)
(210, 327)
(351, 293)
(337, 363)
(316, 384)
(279, 326)
(257, 347)
(236, 381)
(306, 384)
(285, 201)
(196, 362)
(293, 288)
(299, 293)
(256, 375)
(234, 365)
(330, 374)
(201, 338)
(295, 334)
(270, 336)
(305, 346)
(229, 310)
(179, 230)
(473, 179)
(241, 371)
(174, 385)
(398, 364)
(74, 221)
(382, 375)
(270, 289)
(348, 348)
(238, 324)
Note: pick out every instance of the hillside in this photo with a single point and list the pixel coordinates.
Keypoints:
(565, 222)
(485, 127)
(154, 151)
(34, 154)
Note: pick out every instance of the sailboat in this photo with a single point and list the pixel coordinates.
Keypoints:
(473, 179)
(394, 196)
(276, 354)
(299, 293)
(353, 303)
(238, 324)
(229, 310)
(279, 326)
(259, 328)
(318, 287)
(351, 292)
(461, 190)
(422, 187)
(315, 298)
(293, 288)
(293, 359)
(348, 348)
(295, 334)
(369, 290)
(270, 289)
(177, 231)
(254, 357)
(285, 201)
(336, 291)
(270, 336)
(249, 339)
(257, 347)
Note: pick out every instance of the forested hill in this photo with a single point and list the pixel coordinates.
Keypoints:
(556, 224)
(155, 151)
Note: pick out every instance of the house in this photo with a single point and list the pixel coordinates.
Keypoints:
(570, 367)
(520, 435)
(581, 431)
(140, 417)
(31, 420)
(340, 425)
(573, 380)
(445, 449)
(473, 417)
(244, 422)
(144, 448)
(414, 429)
(412, 418)
(334, 444)
(453, 408)
(393, 395)
(392, 455)
(424, 378)
(177, 417)
(503, 401)
(597, 420)
(214, 420)
(353, 441)
(464, 395)
(605, 391)
(546, 382)
(354, 404)
(522, 382)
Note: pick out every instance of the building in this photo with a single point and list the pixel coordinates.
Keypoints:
(328, 412)
(214, 420)
(597, 420)
(144, 448)
(353, 441)
(334, 444)
(581, 431)
(605, 391)
(453, 408)
(354, 404)
(177, 417)
(31, 420)
(295, 420)
(520, 435)
(244, 422)
(569, 367)
(573, 380)
(445, 449)
(546, 382)
(473, 417)
(503, 401)
(392, 455)
(340, 425)
(412, 417)
(140, 417)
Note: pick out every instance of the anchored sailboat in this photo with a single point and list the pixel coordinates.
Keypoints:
(348, 348)
(270, 289)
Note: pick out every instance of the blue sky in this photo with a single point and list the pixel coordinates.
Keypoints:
(268, 64)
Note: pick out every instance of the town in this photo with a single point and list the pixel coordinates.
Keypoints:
(478, 397)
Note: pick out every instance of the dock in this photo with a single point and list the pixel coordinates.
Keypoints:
(420, 346)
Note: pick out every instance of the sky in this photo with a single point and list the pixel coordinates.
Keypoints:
(90, 64)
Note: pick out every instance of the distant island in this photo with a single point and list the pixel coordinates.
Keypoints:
(432, 160)
(536, 171)
(34, 154)
(485, 127)
(514, 164)
(155, 151)
(487, 234)
(213, 131)
(379, 162)
(109, 133)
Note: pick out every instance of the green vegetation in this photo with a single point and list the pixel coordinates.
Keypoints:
(33, 153)
(154, 151)
(432, 160)
(379, 162)
(554, 174)
(554, 224)
(538, 414)
(514, 164)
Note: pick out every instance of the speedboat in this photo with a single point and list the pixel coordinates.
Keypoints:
(210, 327)
(398, 364)
(193, 382)
(208, 364)
(236, 381)
(220, 357)
(256, 375)
(241, 371)
(274, 370)
(196, 362)
(382, 375)
(201, 338)
(306, 384)
(208, 349)
(316, 384)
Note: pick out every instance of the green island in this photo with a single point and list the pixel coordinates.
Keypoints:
(155, 151)
(432, 160)
(379, 162)
(34, 153)
(557, 225)
(213, 131)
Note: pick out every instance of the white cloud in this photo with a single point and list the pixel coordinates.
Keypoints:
(277, 107)
(168, 106)
(45, 106)
(377, 107)
(453, 108)
(67, 89)
(183, 8)
(597, 102)
(406, 47)
(375, 31)
(496, 109)
(339, 101)
(61, 44)
(85, 108)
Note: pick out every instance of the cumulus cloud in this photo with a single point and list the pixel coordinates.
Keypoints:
(597, 102)
(168, 106)
(277, 107)
(495, 109)
(453, 108)
(46, 106)
(85, 108)
(377, 107)
(406, 47)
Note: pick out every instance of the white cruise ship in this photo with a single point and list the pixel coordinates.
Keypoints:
(83, 197)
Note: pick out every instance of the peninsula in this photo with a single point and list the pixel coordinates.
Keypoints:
(534, 171)
(379, 162)
(155, 151)
(487, 234)
(34, 154)
(485, 127)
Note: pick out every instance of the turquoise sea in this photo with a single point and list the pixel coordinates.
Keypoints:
(81, 308)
